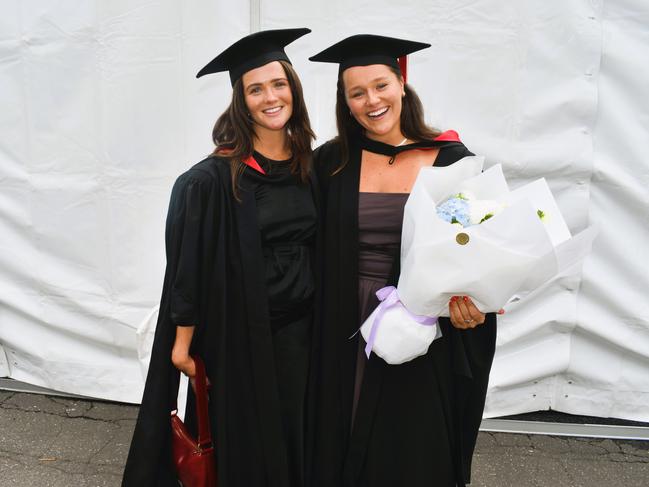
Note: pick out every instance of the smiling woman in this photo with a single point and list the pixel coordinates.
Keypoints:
(239, 286)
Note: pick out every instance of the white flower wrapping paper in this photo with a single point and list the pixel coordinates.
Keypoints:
(506, 256)
(411, 338)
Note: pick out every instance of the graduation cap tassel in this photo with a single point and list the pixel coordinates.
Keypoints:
(403, 65)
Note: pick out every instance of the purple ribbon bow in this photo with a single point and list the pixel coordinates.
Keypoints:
(389, 298)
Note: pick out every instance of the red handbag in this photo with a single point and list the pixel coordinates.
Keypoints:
(194, 459)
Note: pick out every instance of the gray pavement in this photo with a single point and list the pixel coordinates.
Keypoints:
(50, 441)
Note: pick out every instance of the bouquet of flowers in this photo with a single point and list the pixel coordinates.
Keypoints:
(465, 233)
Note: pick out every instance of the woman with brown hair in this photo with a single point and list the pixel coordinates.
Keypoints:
(239, 284)
(379, 425)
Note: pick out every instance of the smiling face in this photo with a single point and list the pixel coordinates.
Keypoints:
(268, 96)
(374, 95)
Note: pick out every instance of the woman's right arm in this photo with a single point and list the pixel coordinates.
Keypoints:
(180, 352)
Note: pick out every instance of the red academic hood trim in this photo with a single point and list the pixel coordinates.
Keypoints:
(252, 162)
(249, 161)
(448, 136)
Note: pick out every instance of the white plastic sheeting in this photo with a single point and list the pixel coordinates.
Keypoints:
(101, 111)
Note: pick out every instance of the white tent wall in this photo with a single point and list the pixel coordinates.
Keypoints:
(103, 112)
(608, 374)
(100, 113)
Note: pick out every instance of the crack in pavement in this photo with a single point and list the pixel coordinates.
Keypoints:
(36, 410)
(101, 448)
(72, 407)
(587, 449)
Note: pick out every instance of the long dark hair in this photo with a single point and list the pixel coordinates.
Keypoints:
(233, 132)
(412, 121)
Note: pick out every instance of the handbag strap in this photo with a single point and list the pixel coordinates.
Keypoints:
(200, 383)
(200, 394)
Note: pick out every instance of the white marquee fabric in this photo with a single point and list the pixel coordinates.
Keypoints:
(101, 112)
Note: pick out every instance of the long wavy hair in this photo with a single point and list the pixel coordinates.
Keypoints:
(234, 134)
(412, 120)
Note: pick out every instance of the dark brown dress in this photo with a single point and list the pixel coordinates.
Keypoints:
(380, 217)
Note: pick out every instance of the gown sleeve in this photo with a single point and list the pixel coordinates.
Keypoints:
(148, 460)
(184, 247)
(480, 347)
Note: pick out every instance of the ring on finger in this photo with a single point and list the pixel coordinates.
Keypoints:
(468, 321)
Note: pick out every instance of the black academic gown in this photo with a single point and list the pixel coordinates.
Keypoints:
(453, 374)
(214, 280)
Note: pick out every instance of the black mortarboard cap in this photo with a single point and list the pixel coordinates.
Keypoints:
(253, 51)
(366, 49)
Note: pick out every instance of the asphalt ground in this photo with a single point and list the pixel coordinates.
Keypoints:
(48, 441)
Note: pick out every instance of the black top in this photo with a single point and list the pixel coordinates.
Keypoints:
(287, 225)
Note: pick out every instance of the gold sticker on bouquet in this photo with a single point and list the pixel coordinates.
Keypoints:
(462, 238)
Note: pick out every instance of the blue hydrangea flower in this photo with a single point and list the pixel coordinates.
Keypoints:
(454, 209)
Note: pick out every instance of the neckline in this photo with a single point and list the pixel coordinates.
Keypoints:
(259, 156)
(382, 148)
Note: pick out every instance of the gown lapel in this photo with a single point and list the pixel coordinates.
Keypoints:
(373, 375)
(261, 340)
